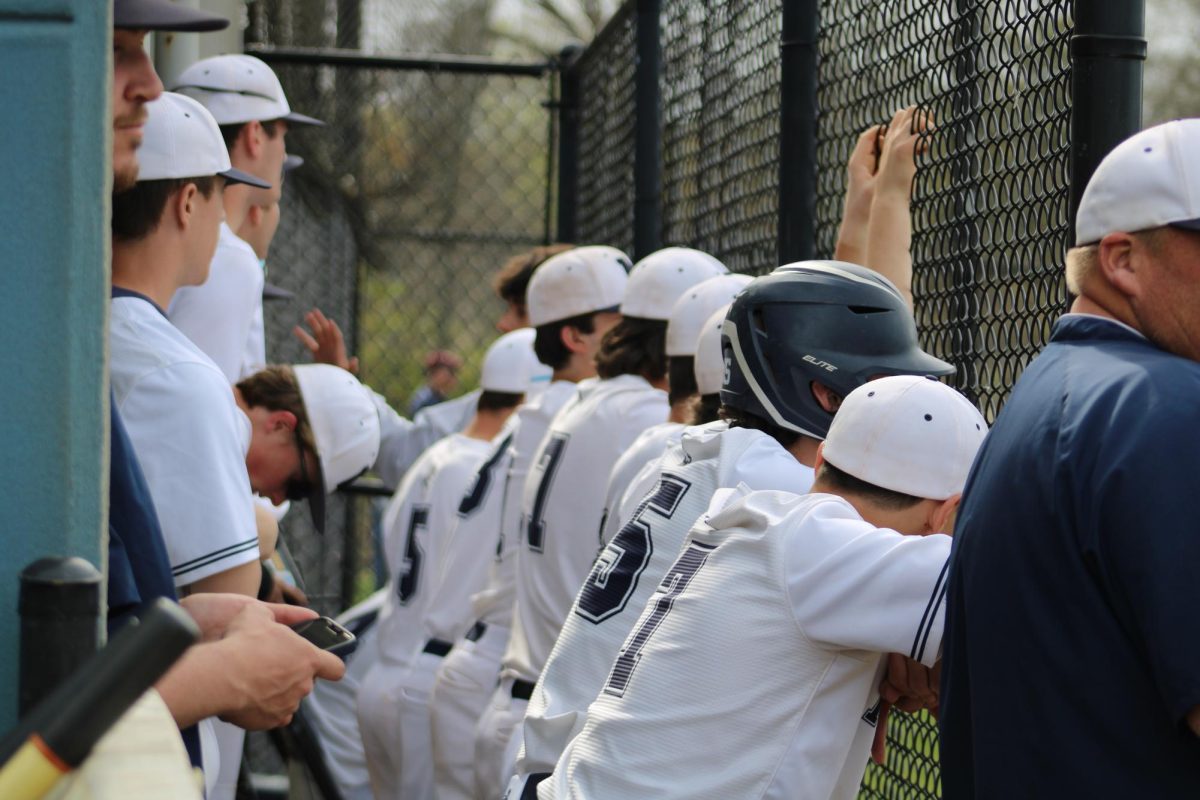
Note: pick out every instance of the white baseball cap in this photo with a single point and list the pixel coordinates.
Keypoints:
(238, 88)
(182, 140)
(1149, 180)
(908, 433)
(695, 306)
(710, 362)
(661, 278)
(582, 280)
(345, 428)
(510, 364)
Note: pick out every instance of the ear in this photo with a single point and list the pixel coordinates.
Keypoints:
(1118, 265)
(572, 339)
(820, 458)
(828, 399)
(184, 205)
(250, 138)
(281, 420)
(254, 215)
(942, 517)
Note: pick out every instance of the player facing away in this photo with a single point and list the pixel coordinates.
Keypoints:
(769, 395)
(768, 634)
(223, 316)
(419, 524)
(563, 499)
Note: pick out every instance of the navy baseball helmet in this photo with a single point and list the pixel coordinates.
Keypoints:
(827, 321)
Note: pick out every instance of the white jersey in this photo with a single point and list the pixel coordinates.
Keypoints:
(562, 506)
(493, 604)
(218, 314)
(415, 528)
(709, 457)
(647, 448)
(190, 438)
(471, 542)
(753, 671)
(402, 441)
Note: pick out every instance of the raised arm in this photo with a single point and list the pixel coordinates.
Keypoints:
(860, 189)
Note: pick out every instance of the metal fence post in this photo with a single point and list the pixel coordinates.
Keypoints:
(60, 624)
(647, 160)
(568, 144)
(798, 130)
(1107, 51)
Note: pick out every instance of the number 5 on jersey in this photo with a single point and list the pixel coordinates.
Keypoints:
(615, 574)
(409, 575)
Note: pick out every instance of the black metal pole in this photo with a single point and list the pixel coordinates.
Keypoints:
(568, 144)
(60, 624)
(798, 130)
(647, 159)
(1107, 51)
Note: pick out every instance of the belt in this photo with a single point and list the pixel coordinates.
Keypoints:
(477, 631)
(439, 647)
(522, 690)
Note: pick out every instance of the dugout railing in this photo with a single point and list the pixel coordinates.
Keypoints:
(726, 125)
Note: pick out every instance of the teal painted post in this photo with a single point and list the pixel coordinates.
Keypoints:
(54, 276)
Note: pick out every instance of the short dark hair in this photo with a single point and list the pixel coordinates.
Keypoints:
(737, 418)
(230, 132)
(634, 346)
(547, 340)
(275, 388)
(846, 483)
(136, 212)
(705, 408)
(498, 401)
(512, 279)
(681, 375)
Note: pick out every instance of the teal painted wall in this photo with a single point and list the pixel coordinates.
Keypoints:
(54, 197)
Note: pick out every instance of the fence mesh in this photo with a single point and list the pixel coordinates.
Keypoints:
(990, 200)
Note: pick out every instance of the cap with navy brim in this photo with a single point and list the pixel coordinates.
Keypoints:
(273, 292)
(162, 15)
(291, 162)
(237, 176)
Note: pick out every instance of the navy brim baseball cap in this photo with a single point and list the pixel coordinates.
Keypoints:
(237, 176)
(273, 292)
(292, 162)
(163, 15)
(303, 119)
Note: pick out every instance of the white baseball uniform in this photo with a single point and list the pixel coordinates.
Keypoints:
(191, 440)
(218, 314)
(467, 676)
(648, 447)
(402, 441)
(416, 526)
(561, 511)
(753, 670)
(331, 710)
(651, 531)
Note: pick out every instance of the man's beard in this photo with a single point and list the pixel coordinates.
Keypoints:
(125, 179)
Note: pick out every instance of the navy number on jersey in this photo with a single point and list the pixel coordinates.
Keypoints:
(661, 602)
(615, 574)
(410, 570)
(535, 529)
(475, 496)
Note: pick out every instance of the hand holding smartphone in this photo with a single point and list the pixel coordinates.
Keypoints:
(328, 635)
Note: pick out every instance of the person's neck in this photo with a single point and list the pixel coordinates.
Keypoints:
(152, 266)
(681, 410)
(804, 449)
(237, 204)
(577, 369)
(486, 424)
(1110, 305)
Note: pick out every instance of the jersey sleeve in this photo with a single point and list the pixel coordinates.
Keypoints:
(185, 428)
(763, 465)
(853, 586)
(1148, 547)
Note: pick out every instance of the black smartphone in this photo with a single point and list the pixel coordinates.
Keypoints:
(327, 634)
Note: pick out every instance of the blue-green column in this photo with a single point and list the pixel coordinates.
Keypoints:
(54, 198)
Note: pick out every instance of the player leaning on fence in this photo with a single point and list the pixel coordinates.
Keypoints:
(1079, 544)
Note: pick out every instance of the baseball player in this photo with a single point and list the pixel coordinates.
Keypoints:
(571, 300)
(778, 612)
(683, 333)
(224, 315)
(563, 501)
(782, 333)
(419, 524)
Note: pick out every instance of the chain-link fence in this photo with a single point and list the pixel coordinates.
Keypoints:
(990, 201)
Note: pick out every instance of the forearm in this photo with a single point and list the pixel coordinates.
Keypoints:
(852, 235)
(198, 686)
(268, 531)
(243, 579)
(889, 240)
